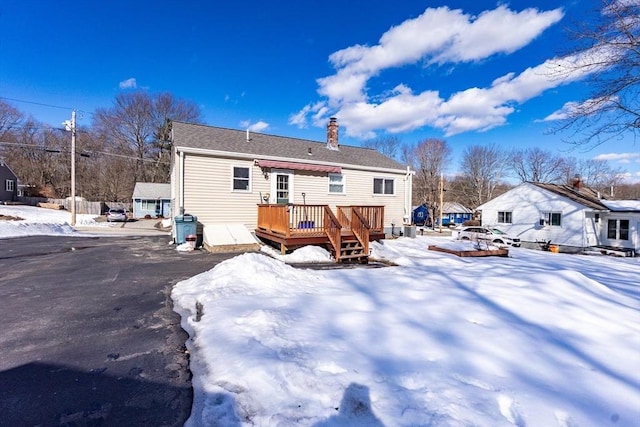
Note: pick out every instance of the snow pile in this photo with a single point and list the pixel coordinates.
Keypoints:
(536, 339)
(40, 221)
(306, 254)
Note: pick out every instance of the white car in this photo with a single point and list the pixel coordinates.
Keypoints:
(493, 235)
(116, 215)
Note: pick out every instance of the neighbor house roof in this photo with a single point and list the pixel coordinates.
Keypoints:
(623, 205)
(454, 207)
(151, 191)
(264, 146)
(583, 195)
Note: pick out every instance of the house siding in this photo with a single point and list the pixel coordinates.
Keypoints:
(527, 205)
(7, 175)
(208, 190)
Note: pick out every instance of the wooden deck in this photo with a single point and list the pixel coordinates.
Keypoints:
(346, 233)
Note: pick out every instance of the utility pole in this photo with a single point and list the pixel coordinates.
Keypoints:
(71, 126)
(441, 199)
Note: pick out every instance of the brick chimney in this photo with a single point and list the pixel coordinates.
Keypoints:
(576, 183)
(332, 134)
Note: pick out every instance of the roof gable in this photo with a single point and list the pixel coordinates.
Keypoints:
(151, 191)
(586, 197)
(187, 135)
(583, 195)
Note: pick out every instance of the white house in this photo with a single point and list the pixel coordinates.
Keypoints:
(225, 177)
(572, 216)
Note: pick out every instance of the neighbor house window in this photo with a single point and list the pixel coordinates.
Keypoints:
(383, 186)
(10, 185)
(149, 205)
(505, 217)
(551, 218)
(241, 178)
(618, 229)
(336, 183)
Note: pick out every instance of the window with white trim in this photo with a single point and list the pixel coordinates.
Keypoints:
(10, 185)
(553, 219)
(336, 183)
(241, 178)
(618, 229)
(150, 205)
(383, 186)
(505, 217)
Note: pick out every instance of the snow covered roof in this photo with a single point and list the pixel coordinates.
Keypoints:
(623, 205)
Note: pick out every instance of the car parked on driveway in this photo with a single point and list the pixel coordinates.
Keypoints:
(116, 215)
(493, 235)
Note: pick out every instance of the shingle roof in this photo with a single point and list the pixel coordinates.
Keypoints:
(454, 207)
(235, 141)
(151, 191)
(585, 195)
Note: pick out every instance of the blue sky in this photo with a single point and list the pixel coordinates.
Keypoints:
(467, 72)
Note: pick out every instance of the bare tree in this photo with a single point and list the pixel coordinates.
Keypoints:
(137, 126)
(537, 165)
(388, 145)
(166, 108)
(482, 169)
(608, 53)
(429, 159)
(10, 117)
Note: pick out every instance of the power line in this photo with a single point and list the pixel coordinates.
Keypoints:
(45, 105)
(35, 103)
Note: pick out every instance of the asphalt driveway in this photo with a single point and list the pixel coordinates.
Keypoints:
(89, 336)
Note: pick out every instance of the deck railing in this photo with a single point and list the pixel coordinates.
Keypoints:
(292, 219)
(374, 216)
(300, 220)
(360, 228)
(333, 229)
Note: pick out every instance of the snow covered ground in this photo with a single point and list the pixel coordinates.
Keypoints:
(536, 339)
(42, 222)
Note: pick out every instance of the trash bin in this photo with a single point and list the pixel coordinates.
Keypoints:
(410, 231)
(185, 225)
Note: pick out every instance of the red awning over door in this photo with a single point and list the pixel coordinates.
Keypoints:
(298, 166)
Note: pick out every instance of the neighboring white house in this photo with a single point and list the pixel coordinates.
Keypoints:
(221, 175)
(153, 199)
(572, 216)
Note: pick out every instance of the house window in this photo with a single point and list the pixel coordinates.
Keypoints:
(383, 186)
(336, 183)
(551, 218)
(10, 185)
(150, 205)
(618, 229)
(241, 179)
(505, 217)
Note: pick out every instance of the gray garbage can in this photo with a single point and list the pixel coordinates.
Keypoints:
(185, 225)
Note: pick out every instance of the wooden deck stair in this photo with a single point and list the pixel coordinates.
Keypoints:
(346, 234)
(352, 251)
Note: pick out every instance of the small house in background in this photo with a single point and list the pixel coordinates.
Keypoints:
(151, 199)
(455, 214)
(8, 184)
(420, 216)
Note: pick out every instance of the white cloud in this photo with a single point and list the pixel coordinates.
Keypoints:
(619, 157)
(128, 84)
(258, 127)
(587, 107)
(437, 36)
